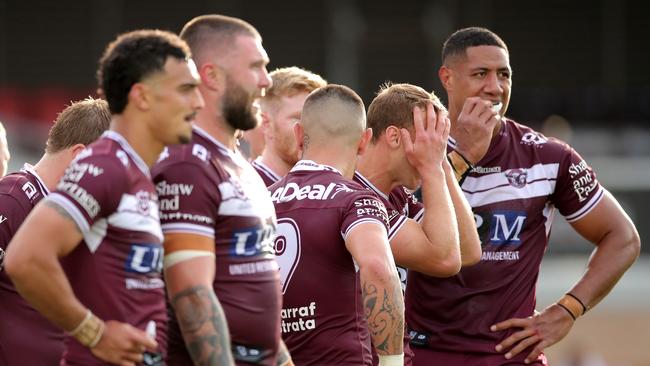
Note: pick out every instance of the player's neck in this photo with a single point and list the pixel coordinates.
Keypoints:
(342, 161)
(217, 127)
(374, 167)
(275, 162)
(51, 168)
(141, 140)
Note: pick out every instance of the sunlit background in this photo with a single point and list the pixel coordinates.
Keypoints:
(580, 73)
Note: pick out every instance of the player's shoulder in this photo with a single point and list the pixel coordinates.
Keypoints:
(193, 155)
(529, 141)
(19, 188)
(317, 186)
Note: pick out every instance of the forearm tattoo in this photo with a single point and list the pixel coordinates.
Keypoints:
(384, 309)
(203, 325)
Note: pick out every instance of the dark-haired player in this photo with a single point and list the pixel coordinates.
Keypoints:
(102, 219)
(486, 312)
(26, 337)
(216, 213)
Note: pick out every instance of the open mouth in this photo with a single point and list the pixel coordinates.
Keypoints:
(496, 107)
(190, 117)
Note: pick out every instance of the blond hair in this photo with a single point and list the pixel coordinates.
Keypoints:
(80, 123)
(289, 81)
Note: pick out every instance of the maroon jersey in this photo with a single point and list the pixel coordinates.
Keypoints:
(267, 174)
(207, 189)
(513, 192)
(323, 322)
(26, 337)
(401, 205)
(116, 270)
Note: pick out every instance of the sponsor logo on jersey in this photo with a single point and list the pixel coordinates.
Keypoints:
(517, 177)
(486, 170)
(498, 230)
(298, 319)
(293, 191)
(170, 194)
(81, 196)
(582, 180)
(30, 190)
(144, 259)
(253, 241)
(77, 171)
(533, 138)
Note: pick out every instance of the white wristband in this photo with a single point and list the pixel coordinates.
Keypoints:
(391, 360)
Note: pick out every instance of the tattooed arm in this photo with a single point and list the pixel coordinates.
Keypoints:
(189, 273)
(381, 290)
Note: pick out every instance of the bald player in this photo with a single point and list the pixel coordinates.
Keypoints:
(339, 279)
(4, 151)
(281, 110)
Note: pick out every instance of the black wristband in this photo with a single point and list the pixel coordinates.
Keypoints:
(567, 310)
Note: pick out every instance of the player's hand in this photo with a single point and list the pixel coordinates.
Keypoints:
(122, 344)
(473, 129)
(428, 149)
(540, 330)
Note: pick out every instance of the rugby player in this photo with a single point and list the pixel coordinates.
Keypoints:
(216, 214)
(281, 110)
(102, 220)
(485, 315)
(26, 337)
(330, 227)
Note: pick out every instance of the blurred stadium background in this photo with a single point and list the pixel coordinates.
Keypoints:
(580, 73)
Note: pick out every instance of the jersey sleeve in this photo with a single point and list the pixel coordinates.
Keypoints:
(577, 190)
(407, 206)
(91, 189)
(188, 200)
(363, 208)
(12, 214)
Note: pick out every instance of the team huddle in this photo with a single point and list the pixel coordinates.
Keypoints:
(144, 236)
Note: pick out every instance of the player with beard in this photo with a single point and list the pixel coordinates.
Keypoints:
(341, 281)
(4, 151)
(89, 255)
(281, 110)
(486, 314)
(216, 214)
(26, 337)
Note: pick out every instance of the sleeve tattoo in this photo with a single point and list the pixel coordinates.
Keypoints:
(203, 325)
(384, 310)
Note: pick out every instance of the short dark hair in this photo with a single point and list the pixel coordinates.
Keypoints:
(393, 106)
(458, 43)
(214, 30)
(80, 123)
(131, 58)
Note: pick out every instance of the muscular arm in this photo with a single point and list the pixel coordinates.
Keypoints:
(470, 244)
(198, 311)
(32, 262)
(617, 247)
(381, 290)
(432, 247)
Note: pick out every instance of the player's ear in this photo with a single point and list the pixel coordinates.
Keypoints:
(139, 96)
(212, 76)
(392, 136)
(76, 149)
(365, 141)
(445, 77)
(299, 132)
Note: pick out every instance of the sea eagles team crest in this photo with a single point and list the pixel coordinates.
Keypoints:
(517, 177)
